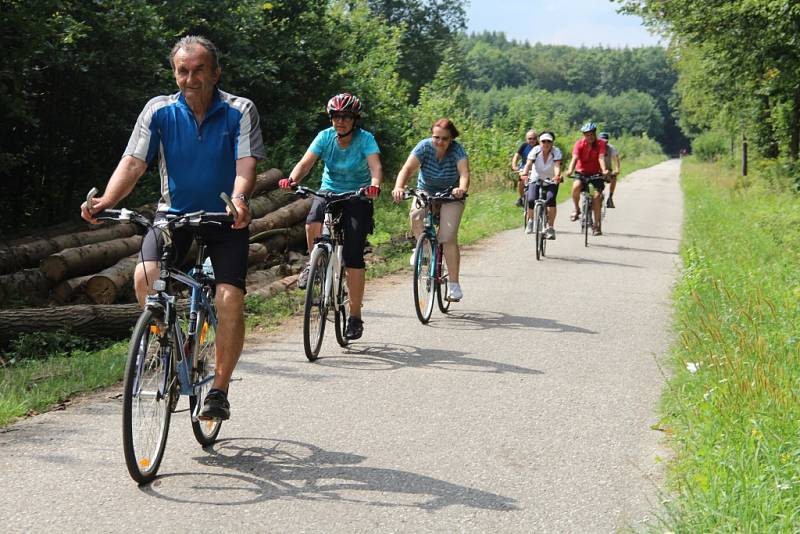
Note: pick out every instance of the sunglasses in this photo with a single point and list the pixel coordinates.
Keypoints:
(531, 139)
(342, 117)
(545, 141)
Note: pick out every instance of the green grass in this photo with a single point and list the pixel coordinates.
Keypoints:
(735, 421)
(39, 384)
(33, 386)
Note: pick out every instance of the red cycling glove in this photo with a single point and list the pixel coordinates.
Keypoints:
(285, 183)
(372, 191)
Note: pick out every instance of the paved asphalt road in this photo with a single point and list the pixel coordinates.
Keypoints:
(527, 409)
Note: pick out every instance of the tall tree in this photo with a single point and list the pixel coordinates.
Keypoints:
(744, 44)
(429, 28)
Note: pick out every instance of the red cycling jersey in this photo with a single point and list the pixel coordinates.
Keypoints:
(588, 155)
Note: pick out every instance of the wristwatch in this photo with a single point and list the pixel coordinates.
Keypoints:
(243, 198)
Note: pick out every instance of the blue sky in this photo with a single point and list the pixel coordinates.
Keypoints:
(564, 22)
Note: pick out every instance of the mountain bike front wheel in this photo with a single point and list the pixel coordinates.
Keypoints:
(424, 283)
(205, 431)
(147, 396)
(316, 309)
(342, 310)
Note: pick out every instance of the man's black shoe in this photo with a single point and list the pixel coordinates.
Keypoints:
(519, 202)
(355, 328)
(610, 203)
(216, 406)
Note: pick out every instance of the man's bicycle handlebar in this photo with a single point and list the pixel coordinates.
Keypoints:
(170, 220)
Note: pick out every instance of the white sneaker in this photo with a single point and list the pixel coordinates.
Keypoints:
(529, 227)
(411, 260)
(455, 293)
(550, 233)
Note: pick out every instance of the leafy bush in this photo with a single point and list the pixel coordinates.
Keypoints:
(710, 146)
(43, 345)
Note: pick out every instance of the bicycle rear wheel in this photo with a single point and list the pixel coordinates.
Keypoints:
(205, 432)
(342, 311)
(147, 396)
(538, 229)
(424, 285)
(316, 310)
(443, 285)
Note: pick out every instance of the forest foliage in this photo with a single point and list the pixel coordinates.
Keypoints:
(738, 67)
(77, 73)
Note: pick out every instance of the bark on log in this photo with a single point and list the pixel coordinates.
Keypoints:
(31, 283)
(105, 286)
(68, 289)
(88, 259)
(283, 218)
(28, 254)
(258, 279)
(264, 204)
(114, 321)
(273, 288)
(91, 320)
(287, 238)
(267, 181)
(258, 254)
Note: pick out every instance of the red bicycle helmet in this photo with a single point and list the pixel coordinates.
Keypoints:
(345, 102)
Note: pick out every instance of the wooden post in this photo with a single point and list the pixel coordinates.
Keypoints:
(744, 155)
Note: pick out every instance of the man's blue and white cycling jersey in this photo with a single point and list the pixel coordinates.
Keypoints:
(197, 162)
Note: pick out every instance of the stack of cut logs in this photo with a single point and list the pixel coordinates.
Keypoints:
(84, 275)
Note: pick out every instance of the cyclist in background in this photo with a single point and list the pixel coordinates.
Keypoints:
(588, 158)
(544, 163)
(519, 159)
(352, 162)
(208, 142)
(442, 164)
(613, 166)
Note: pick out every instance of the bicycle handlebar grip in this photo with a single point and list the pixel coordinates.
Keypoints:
(90, 195)
(228, 202)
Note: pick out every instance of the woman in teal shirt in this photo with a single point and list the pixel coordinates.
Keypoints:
(352, 162)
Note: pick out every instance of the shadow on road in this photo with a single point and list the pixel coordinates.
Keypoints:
(251, 470)
(635, 249)
(482, 320)
(389, 356)
(592, 261)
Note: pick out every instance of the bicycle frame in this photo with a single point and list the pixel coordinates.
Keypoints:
(335, 250)
(182, 361)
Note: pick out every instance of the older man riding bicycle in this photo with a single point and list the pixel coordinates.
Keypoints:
(588, 157)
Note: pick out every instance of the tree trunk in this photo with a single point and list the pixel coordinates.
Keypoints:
(283, 218)
(31, 284)
(267, 181)
(278, 286)
(258, 254)
(264, 204)
(88, 259)
(281, 239)
(67, 290)
(114, 321)
(28, 254)
(105, 286)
